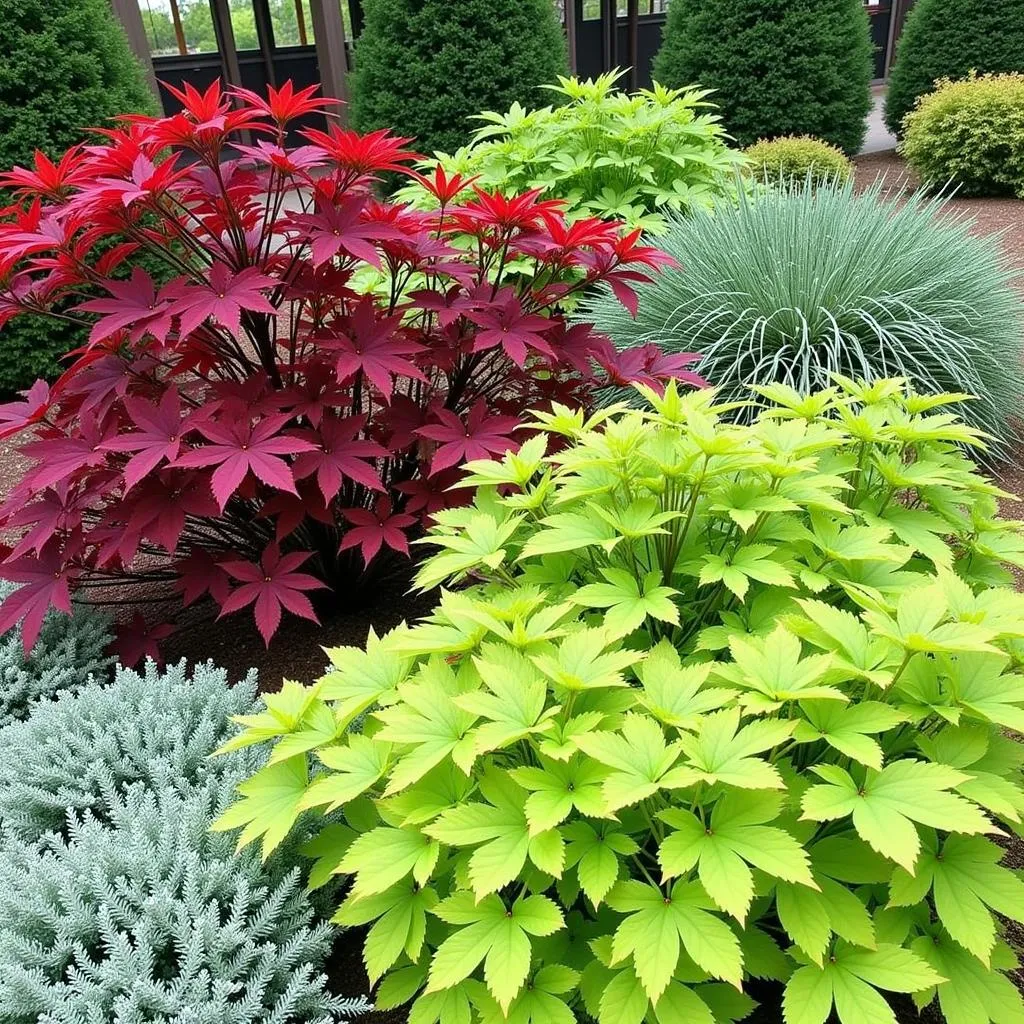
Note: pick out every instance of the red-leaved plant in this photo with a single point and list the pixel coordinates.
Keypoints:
(296, 397)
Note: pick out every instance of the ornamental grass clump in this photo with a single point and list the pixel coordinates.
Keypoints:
(711, 702)
(794, 286)
(295, 398)
(607, 153)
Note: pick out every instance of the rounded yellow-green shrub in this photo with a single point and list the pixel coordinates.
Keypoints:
(798, 159)
(970, 134)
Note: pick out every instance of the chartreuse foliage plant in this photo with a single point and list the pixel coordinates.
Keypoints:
(798, 160)
(724, 702)
(608, 153)
(969, 134)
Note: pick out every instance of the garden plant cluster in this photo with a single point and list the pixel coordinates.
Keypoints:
(690, 446)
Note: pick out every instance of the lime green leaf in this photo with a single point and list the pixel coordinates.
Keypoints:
(750, 562)
(363, 677)
(285, 713)
(429, 722)
(583, 662)
(381, 858)
(735, 838)
(624, 1000)
(674, 694)
(270, 804)
(512, 703)
(967, 883)
(629, 600)
(722, 752)
(557, 787)
(656, 926)
(848, 729)
(886, 806)
(680, 1003)
(495, 935)
(638, 756)
(595, 852)
(355, 767)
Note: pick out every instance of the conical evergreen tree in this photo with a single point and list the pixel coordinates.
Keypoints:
(949, 39)
(424, 67)
(779, 67)
(65, 67)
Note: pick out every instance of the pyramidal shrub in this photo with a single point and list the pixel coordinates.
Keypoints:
(69, 652)
(723, 702)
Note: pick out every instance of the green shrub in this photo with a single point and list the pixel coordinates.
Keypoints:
(797, 286)
(69, 654)
(798, 160)
(79, 751)
(949, 39)
(67, 67)
(608, 153)
(724, 702)
(970, 134)
(424, 67)
(778, 67)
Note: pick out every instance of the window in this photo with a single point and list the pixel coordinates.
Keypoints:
(178, 26)
(592, 8)
(293, 24)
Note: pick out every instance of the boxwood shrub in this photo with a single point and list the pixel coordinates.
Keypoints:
(721, 703)
(970, 135)
(798, 161)
(950, 39)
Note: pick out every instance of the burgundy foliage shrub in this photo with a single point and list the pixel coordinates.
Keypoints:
(294, 402)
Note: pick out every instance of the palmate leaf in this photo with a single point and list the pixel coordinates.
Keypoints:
(512, 705)
(889, 802)
(848, 728)
(492, 934)
(850, 981)
(837, 630)
(557, 787)
(501, 834)
(676, 695)
(640, 760)
(658, 927)
(972, 994)
(987, 691)
(383, 856)
(750, 562)
(723, 752)
(429, 723)
(595, 853)
(628, 600)
(360, 677)
(723, 850)
(967, 883)
(583, 661)
(920, 625)
(482, 543)
(269, 804)
(774, 669)
(538, 1003)
(400, 922)
(355, 767)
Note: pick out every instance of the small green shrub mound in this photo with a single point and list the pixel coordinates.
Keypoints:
(949, 39)
(424, 67)
(723, 702)
(606, 152)
(69, 654)
(67, 67)
(798, 161)
(79, 751)
(777, 67)
(970, 134)
(116, 900)
(797, 286)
